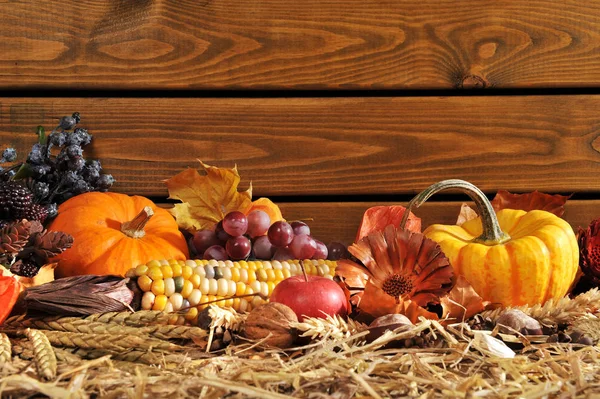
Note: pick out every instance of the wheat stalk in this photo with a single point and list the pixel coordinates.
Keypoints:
(44, 356)
(227, 318)
(136, 319)
(334, 327)
(115, 342)
(555, 311)
(76, 325)
(5, 349)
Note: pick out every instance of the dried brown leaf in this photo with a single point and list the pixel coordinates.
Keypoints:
(462, 302)
(531, 201)
(466, 213)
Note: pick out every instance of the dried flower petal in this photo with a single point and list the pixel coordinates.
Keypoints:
(589, 259)
(400, 267)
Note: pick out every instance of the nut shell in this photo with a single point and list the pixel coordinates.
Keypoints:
(516, 320)
(271, 323)
(388, 322)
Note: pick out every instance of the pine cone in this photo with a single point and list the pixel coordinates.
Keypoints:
(14, 237)
(45, 245)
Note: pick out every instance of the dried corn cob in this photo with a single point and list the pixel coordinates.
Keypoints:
(171, 285)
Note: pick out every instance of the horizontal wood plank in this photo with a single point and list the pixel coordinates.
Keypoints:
(334, 146)
(339, 221)
(312, 44)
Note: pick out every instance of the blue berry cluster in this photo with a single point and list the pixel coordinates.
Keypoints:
(55, 169)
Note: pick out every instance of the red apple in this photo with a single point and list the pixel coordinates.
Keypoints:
(311, 298)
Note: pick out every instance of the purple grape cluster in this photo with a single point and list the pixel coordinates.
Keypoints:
(238, 237)
(55, 169)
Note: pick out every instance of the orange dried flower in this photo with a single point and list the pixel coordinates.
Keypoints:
(401, 271)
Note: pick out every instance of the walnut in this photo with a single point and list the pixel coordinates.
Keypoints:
(271, 323)
(384, 323)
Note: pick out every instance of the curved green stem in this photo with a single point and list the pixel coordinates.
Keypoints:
(492, 233)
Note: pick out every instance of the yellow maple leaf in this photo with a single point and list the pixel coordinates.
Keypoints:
(206, 196)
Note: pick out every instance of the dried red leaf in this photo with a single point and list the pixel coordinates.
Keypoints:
(462, 302)
(531, 201)
(378, 217)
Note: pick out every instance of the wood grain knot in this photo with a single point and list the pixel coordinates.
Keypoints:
(473, 82)
(596, 144)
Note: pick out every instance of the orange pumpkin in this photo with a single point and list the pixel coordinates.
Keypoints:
(115, 232)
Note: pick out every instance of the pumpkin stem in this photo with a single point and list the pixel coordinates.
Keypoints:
(135, 227)
(492, 233)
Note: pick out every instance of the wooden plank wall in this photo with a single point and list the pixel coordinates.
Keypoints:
(327, 106)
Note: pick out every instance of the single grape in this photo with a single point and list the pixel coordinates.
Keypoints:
(321, 252)
(283, 254)
(203, 239)
(300, 228)
(215, 252)
(36, 155)
(57, 138)
(280, 234)
(222, 235)
(76, 164)
(238, 247)
(263, 249)
(337, 251)
(303, 246)
(235, 224)
(74, 151)
(258, 223)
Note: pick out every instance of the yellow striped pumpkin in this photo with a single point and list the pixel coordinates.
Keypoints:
(513, 257)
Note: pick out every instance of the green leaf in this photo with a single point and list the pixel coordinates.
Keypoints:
(41, 132)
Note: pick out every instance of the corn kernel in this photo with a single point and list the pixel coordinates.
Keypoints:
(195, 280)
(271, 287)
(249, 290)
(177, 300)
(148, 300)
(145, 283)
(286, 273)
(140, 270)
(178, 283)
(176, 270)
(160, 302)
(243, 305)
(251, 276)
(203, 301)
(257, 301)
(204, 286)
(153, 263)
(199, 270)
(213, 263)
(158, 287)
(219, 272)
(261, 275)
(231, 287)
(227, 272)
(187, 288)
(155, 273)
(270, 275)
(191, 314)
(213, 287)
(167, 271)
(190, 263)
(235, 274)
(255, 285)
(168, 307)
(163, 262)
(209, 271)
(228, 263)
(264, 288)
(180, 321)
(228, 302)
(278, 275)
(194, 297)
(187, 272)
(222, 287)
(240, 288)
(236, 303)
(173, 319)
